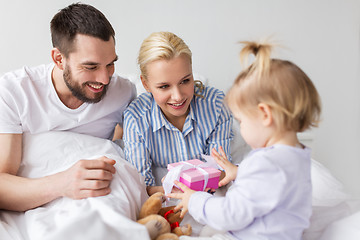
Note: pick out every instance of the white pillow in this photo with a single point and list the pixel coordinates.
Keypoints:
(347, 228)
(330, 202)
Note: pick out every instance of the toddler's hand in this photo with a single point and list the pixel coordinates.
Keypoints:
(174, 189)
(184, 196)
(230, 169)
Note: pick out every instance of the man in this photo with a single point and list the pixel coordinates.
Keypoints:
(77, 92)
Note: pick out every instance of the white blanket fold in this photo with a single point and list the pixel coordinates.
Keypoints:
(107, 217)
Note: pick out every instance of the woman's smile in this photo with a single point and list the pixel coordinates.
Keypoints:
(178, 105)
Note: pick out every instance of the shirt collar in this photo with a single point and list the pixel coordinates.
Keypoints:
(157, 117)
(188, 125)
(193, 109)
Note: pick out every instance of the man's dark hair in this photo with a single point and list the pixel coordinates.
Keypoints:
(76, 19)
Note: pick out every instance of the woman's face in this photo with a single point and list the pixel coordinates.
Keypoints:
(171, 83)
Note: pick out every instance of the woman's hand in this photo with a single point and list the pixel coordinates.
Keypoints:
(230, 169)
(184, 196)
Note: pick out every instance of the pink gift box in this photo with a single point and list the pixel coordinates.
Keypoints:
(194, 178)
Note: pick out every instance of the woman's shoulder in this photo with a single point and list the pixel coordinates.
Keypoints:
(209, 106)
(209, 94)
(140, 105)
(210, 98)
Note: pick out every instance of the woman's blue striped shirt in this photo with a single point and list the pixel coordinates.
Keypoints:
(151, 140)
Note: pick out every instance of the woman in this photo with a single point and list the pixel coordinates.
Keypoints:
(178, 118)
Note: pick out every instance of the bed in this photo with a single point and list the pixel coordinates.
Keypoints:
(336, 215)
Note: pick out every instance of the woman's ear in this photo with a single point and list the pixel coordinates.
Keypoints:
(266, 114)
(144, 83)
(57, 58)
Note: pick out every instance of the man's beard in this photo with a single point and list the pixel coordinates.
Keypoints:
(78, 91)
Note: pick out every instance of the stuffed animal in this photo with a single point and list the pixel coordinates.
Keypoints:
(162, 223)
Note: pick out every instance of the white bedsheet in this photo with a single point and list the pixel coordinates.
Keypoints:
(336, 215)
(108, 217)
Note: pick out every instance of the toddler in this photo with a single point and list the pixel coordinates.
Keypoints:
(270, 197)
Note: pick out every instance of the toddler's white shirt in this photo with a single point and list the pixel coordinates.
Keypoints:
(270, 197)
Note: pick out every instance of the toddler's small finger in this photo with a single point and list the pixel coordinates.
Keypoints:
(183, 212)
(214, 152)
(172, 195)
(181, 185)
(223, 154)
(177, 208)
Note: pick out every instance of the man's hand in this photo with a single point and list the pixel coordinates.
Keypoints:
(230, 169)
(88, 178)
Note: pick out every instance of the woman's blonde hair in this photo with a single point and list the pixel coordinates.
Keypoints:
(289, 92)
(161, 46)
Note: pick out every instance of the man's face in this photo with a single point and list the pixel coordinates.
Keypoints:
(89, 68)
(79, 90)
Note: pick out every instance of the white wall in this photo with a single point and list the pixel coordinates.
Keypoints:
(322, 37)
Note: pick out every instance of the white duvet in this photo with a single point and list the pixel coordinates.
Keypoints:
(336, 215)
(108, 217)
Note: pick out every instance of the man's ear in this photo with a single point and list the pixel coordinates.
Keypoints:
(57, 58)
(144, 83)
(266, 114)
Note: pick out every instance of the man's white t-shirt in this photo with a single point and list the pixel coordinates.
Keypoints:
(29, 103)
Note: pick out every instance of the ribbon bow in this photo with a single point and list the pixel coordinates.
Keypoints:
(172, 225)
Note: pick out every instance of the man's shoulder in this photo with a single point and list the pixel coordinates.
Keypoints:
(124, 83)
(34, 74)
(121, 90)
(26, 79)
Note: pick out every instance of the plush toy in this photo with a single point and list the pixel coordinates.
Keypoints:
(162, 223)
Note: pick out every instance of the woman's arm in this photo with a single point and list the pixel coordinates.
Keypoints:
(118, 132)
(135, 149)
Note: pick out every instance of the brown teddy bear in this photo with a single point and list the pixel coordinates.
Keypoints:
(162, 223)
